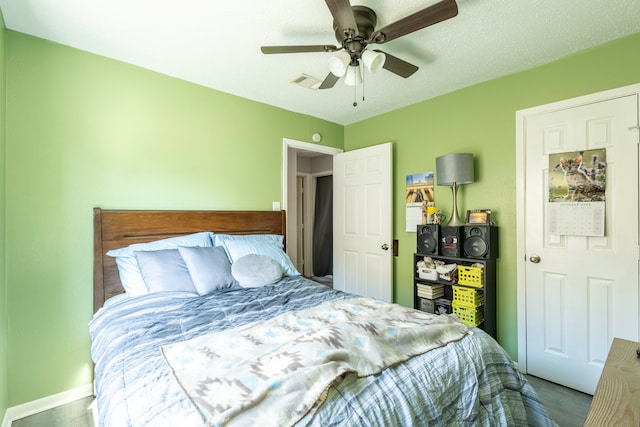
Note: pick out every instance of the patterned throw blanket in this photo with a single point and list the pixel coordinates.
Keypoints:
(276, 372)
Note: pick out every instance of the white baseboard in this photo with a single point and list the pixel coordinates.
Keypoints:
(35, 406)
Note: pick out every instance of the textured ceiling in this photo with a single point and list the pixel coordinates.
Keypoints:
(217, 44)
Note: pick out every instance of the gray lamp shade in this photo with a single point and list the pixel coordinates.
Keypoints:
(454, 168)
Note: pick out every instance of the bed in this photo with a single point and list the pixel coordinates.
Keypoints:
(183, 357)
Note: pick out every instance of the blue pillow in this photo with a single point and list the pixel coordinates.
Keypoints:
(278, 239)
(127, 263)
(164, 271)
(209, 268)
(253, 270)
(236, 249)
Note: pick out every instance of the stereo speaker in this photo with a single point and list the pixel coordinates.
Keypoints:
(451, 241)
(481, 241)
(428, 239)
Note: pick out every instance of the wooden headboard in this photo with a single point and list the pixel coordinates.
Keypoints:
(113, 229)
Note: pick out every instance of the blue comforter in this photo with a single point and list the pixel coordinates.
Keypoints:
(468, 382)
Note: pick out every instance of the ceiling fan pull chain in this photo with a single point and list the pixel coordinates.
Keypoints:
(355, 104)
(355, 87)
(363, 73)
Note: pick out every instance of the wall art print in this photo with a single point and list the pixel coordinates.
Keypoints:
(419, 192)
(577, 193)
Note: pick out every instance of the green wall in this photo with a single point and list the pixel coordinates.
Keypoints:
(3, 287)
(85, 131)
(481, 120)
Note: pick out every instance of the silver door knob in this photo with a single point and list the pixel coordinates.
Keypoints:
(534, 259)
(385, 247)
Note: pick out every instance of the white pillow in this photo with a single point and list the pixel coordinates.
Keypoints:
(253, 270)
(236, 249)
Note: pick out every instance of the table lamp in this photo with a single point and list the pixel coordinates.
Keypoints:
(453, 170)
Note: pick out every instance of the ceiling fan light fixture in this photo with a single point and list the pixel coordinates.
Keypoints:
(354, 76)
(338, 63)
(373, 60)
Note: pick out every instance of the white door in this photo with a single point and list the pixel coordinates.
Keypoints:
(580, 292)
(362, 235)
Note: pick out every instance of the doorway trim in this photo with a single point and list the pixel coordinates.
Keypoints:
(521, 118)
(288, 175)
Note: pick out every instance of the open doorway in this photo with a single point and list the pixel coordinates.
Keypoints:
(322, 230)
(308, 200)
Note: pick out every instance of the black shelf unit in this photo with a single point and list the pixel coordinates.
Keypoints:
(489, 286)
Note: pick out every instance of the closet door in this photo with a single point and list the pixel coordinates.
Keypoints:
(581, 290)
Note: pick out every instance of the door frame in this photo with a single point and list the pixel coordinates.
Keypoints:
(289, 174)
(521, 127)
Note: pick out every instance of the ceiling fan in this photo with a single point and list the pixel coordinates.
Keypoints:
(354, 27)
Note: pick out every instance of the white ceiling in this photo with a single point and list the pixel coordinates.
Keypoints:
(217, 43)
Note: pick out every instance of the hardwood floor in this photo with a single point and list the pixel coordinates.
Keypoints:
(567, 407)
(74, 414)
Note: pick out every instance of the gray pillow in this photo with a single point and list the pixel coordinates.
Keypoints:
(164, 271)
(209, 268)
(253, 270)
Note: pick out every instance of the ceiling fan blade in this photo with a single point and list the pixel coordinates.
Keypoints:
(298, 49)
(397, 65)
(431, 15)
(343, 16)
(329, 81)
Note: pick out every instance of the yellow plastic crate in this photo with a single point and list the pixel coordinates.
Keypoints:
(467, 297)
(469, 315)
(470, 276)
